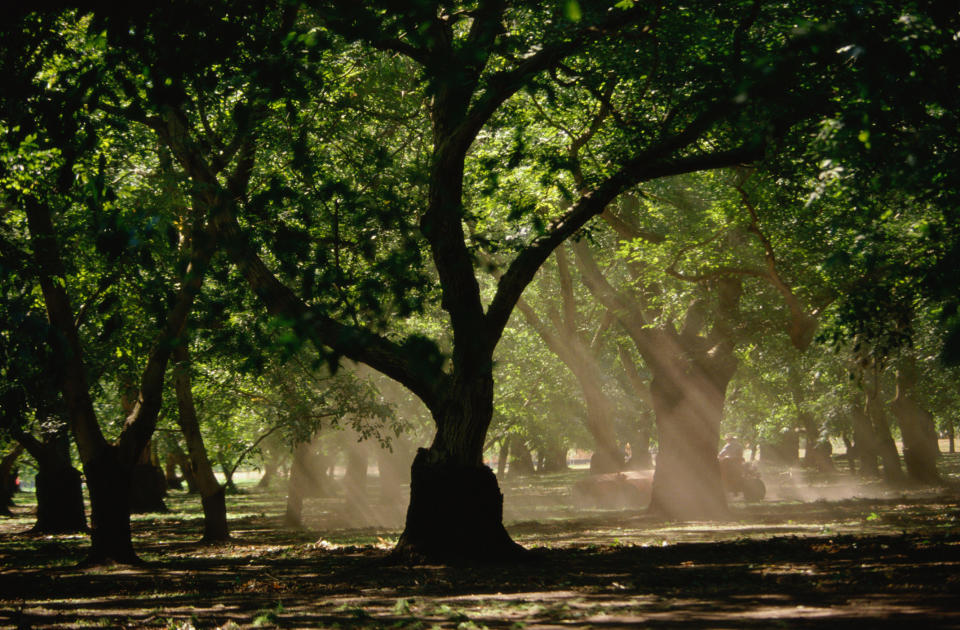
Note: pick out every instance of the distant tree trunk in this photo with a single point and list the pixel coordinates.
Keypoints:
(521, 459)
(688, 402)
(951, 433)
(553, 457)
(874, 408)
(920, 446)
(691, 368)
(8, 479)
(228, 470)
(149, 485)
(186, 468)
(691, 372)
(307, 478)
(565, 341)
(504, 455)
(212, 495)
(271, 462)
(59, 487)
(170, 472)
(865, 444)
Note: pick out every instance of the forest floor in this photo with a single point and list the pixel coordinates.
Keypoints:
(821, 552)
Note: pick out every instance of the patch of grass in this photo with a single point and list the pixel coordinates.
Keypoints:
(268, 617)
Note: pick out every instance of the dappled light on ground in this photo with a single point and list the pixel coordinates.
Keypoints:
(855, 562)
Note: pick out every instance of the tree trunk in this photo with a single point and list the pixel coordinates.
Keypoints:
(60, 508)
(110, 483)
(455, 514)
(892, 472)
(212, 494)
(553, 457)
(521, 459)
(865, 446)
(271, 463)
(8, 479)
(193, 485)
(951, 436)
(920, 446)
(170, 472)
(306, 479)
(149, 485)
(686, 482)
(504, 456)
(59, 489)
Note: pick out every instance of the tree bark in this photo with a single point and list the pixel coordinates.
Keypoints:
(920, 445)
(455, 514)
(553, 458)
(193, 486)
(521, 459)
(170, 472)
(865, 444)
(8, 479)
(887, 448)
(110, 483)
(59, 488)
(149, 484)
(307, 478)
(212, 494)
(686, 483)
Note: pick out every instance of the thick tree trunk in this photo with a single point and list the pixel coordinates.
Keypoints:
(212, 494)
(306, 479)
(149, 485)
(59, 486)
(920, 445)
(109, 483)
(521, 459)
(686, 482)
(59, 489)
(865, 445)
(640, 457)
(553, 458)
(455, 513)
(60, 507)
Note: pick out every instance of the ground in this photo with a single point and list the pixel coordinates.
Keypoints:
(807, 558)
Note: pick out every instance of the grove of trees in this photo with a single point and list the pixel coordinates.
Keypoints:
(228, 226)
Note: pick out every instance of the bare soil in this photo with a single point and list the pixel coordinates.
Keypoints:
(821, 552)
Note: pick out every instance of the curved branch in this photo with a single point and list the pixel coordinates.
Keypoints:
(645, 167)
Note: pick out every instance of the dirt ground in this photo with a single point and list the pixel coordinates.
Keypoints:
(821, 552)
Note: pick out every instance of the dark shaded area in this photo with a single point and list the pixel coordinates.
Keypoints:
(859, 581)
